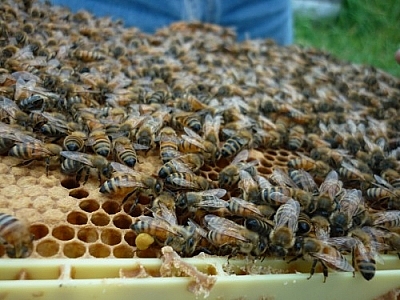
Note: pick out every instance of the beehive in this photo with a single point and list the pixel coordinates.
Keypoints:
(113, 73)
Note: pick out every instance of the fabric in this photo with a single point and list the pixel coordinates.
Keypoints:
(250, 18)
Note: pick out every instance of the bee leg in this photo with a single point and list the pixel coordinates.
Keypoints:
(24, 163)
(128, 196)
(87, 170)
(295, 258)
(133, 205)
(312, 271)
(324, 271)
(353, 263)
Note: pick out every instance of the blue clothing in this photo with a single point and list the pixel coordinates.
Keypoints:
(250, 18)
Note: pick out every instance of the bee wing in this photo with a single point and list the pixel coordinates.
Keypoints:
(288, 214)
(383, 183)
(118, 167)
(332, 185)
(159, 223)
(282, 179)
(192, 134)
(172, 153)
(247, 205)
(213, 203)
(199, 230)
(6, 131)
(307, 182)
(279, 197)
(78, 156)
(246, 181)
(167, 215)
(353, 169)
(387, 216)
(214, 192)
(181, 167)
(184, 183)
(224, 226)
(9, 106)
(193, 141)
(338, 261)
(169, 138)
(241, 156)
(140, 147)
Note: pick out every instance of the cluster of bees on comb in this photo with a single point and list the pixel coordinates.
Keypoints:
(90, 96)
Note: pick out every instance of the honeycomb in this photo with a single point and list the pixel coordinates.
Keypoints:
(71, 220)
(291, 108)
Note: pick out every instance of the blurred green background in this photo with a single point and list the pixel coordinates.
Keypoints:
(365, 32)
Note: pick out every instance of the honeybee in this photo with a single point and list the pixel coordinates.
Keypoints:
(87, 56)
(30, 149)
(166, 198)
(304, 224)
(320, 227)
(230, 174)
(193, 143)
(165, 229)
(157, 97)
(169, 143)
(388, 219)
(296, 137)
(332, 186)
(236, 143)
(129, 179)
(148, 131)
(99, 142)
(242, 208)
(304, 181)
(350, 173)
(208, 200)
(261, 226)
(75, 141)
(321, 251)
(15, 236)
(317, 167)
(333, 157)
(231, 237)
(282, 237)
(385, 192)
(187, 163)
(124, 152)
(249, 187)
(211, 128)
(364, 252)
(8, 108)
(341, 220)
(182, 119)
(187, 180)
(76, 163)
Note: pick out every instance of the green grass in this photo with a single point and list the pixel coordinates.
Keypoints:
(365, 32)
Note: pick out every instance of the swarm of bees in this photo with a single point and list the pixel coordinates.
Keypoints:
(104, 98)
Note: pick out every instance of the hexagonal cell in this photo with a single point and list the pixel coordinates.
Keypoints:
(63, 233)
(99, 250)
(264, 171)
(77, 218)
(213, 176)
(134, 211)
(130, 237)
(47, 248)
(74, 249)
(284, 153)
(111, 236)
(123, 251)
(89, 205)
(79, 193)
(122, 221)
(100, 219)
(70, 183)
(88, 234)
(111, 207)
(39, 231)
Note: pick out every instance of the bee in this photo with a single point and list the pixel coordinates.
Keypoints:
(333, 157)
(317, 167)
(124, 152)
(282, 237)
(303, 180)
(320, 227)
(349, 139)
(131, 180)
(351, 173)
(388, 219)
(30, 149)
(186, 163)
(364, 253)
(56, 126)
(169, 144)
(242, 208)
(296, 137)
(87, 56)
(8, 108)
(231, 237)
(193, 143)
(230, 174)
(331, 185)
(385, 192)
(165, 229)
(15, 236)
(261, 226)
(182, 119)
(147, 132)
(187, 180)
(322, 251)
(341, 220)
(165, 198)
(75, 141)
(157, 97)
(208, 200)
(211, 128)
(236, 143)
(99, 142)
(304, 224)
(77, 162)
